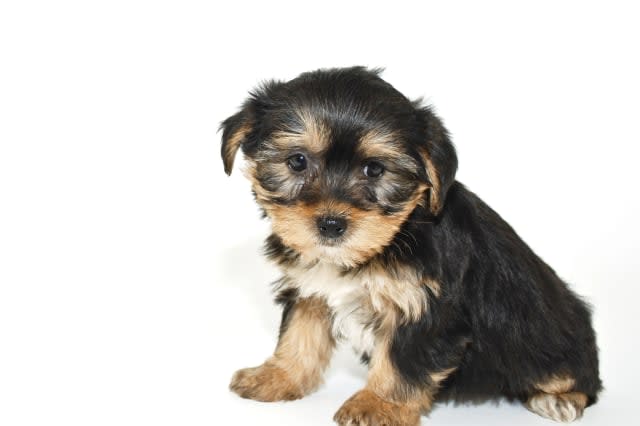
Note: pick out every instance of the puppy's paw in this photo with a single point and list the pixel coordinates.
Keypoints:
(365, 408)
(265, 383)
(563, 407)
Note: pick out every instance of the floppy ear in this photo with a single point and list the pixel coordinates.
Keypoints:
(242, 129)
(235, 130)
(439, 156)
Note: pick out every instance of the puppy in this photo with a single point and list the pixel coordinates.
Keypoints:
(381, 247)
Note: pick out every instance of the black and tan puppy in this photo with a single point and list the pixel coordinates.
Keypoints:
(381, 247)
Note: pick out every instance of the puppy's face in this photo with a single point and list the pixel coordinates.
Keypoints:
(333, 191)
(337, 159)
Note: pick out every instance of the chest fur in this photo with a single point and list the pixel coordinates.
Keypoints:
(359, 301)
(349, 299)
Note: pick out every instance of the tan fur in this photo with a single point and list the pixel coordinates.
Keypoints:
(561, 407)
(313, 135)
(439, 377)
(435, 203)
(306, 345)
(303, 352)
(556, 384)
(395, 288)
(233, 143)
(433, 285)
(380, 144)
(267, 383)
(366, 408)
(316, 131)
(556, 400)
(295, 225)
(383, 378)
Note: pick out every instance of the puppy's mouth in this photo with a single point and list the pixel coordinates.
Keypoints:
(330, 242)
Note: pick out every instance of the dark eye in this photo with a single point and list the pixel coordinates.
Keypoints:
(373, 169)
(297, 162)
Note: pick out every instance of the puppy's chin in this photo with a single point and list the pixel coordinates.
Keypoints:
(332, 252)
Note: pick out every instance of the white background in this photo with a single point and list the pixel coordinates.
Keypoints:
(131, 284)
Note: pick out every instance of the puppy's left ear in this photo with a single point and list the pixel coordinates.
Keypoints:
(439, 156)
(235, 131)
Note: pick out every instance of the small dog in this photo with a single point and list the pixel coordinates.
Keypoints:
(380, 246)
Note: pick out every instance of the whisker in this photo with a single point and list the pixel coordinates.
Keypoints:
(409, 234)
(408, 246)
(398, 247)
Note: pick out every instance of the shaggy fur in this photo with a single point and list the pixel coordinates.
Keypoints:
(381, 247)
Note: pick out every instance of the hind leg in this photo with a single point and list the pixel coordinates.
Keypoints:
(557, 400)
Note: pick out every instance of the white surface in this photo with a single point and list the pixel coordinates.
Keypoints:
(131, 286)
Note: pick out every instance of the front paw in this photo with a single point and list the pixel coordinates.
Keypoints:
(265, 383)
(365, 408)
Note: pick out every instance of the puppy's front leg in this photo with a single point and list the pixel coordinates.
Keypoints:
(303, 352)
(388, 399)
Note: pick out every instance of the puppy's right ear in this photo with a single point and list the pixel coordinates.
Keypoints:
(243, 128)
(235, 130)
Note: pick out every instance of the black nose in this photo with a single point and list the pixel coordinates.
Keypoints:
(331, 227)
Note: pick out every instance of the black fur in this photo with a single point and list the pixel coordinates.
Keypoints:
(286, 298)
(505, 318)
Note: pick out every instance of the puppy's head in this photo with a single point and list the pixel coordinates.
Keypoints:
(338, 160)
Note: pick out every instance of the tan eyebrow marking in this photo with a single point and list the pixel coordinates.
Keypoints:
(380, 143)
(313, 134)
